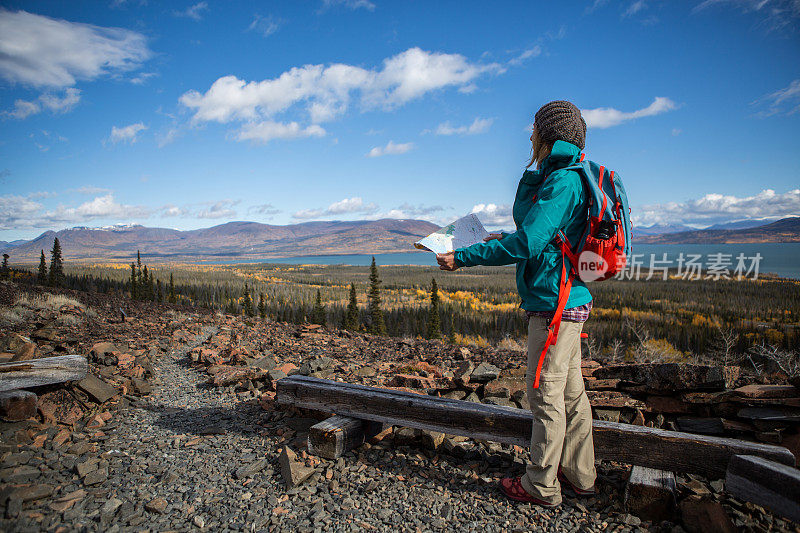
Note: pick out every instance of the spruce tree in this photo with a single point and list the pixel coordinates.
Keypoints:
(159, 295)
(143, 287)
(318, 314)
(247, 302)
(451, 337)
(56, 265)
(262, 306)
(171, 294)
(377, 325)
(434, 323)
(151, 288)
(41, 278)
(133, 281)
(4, 268)
(351, 317)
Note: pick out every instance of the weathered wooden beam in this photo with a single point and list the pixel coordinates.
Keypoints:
(338, 434)
(771, 485)
(16, 405)
(650, 493)
(655, 448)
(43, 371)
(704, 426)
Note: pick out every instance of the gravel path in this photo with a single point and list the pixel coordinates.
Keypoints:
(189, 457)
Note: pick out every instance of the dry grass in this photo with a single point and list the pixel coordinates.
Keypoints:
(10, 317)
(511, 345)
(52, 302)
(68, 320)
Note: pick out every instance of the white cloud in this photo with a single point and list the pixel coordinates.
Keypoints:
(168, 137)
(141, 79)
(23, 212)
(415, 72)
(17, 211)
(263, 132)
(24, 108)
(170, 211)
(325, 92)
(536, 51)
(61, 105)
(266, 26)
(220, 209)
(494, 215)
(479, 125)
(193, 12)
(46, 52)
(90, 189)
(391, 148)
(349, 4)
(42, 194)
(676, 132)
(348, 205)
(786, 100)
(104, 206)
(596, 4)
(634, 8)
(416, 212)
(606, 117)
(419, 210)
(126, 133)
(714, 208)
(267, 210)
(773, 15)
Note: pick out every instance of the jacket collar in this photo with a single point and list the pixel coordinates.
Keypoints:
(562, 155)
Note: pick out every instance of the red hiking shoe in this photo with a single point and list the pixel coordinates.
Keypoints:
(512, 488)
(571, 489)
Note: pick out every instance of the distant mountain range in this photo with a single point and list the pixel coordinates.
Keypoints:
(784, 230)
(252, 240)
(658, 229)
(231, 241)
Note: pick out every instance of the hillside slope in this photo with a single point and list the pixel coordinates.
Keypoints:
(784, 230)
(234, 240)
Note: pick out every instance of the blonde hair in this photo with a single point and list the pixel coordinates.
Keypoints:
(539, 149)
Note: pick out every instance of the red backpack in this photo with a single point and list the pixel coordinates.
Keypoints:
(604, 247)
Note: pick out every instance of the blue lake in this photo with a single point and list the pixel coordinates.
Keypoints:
(782, 259)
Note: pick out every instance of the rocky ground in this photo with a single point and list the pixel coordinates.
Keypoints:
(192, 440)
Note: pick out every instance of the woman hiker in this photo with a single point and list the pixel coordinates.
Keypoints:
(549, 199)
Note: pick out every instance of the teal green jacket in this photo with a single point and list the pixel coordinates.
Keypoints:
(548, 200)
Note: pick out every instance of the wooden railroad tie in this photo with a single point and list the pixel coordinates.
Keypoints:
(650, 494)
(766, 483)
(660, 449)
(42, 371)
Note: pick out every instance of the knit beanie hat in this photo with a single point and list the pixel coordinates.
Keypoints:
(561, 120)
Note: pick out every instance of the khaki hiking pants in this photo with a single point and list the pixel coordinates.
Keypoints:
(562, 417)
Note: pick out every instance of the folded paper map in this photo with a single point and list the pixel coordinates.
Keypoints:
(463, 232)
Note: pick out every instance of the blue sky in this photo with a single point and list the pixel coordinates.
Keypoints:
(191, 114)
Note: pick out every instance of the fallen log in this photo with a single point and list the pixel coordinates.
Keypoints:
(655, 448)
(650, 494)
(44, 371)
(339, 434)
(765, 483)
